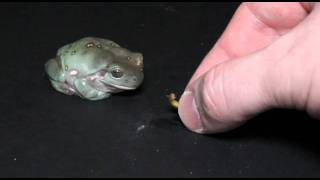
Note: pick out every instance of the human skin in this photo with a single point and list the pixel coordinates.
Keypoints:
(268, 57)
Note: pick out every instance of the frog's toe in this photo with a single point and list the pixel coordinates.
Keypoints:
(98, 96)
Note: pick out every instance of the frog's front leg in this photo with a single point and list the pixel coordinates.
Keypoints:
(57, 76)
(86, 91)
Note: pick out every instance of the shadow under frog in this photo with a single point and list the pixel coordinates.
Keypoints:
(94, 68)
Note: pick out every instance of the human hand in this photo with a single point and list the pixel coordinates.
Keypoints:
(268, 57)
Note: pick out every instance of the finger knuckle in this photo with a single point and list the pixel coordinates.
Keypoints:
(213, 98)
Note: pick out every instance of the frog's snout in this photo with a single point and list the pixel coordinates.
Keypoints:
(132, 80)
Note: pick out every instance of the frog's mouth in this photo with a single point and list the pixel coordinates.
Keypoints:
(102, 86)
(120, 87)
(98, 82)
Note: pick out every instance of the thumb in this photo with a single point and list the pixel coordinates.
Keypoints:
(226, 95)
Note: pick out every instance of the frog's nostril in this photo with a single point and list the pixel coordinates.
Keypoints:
(134, 79)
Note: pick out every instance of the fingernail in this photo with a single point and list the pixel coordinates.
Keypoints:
(188, 112)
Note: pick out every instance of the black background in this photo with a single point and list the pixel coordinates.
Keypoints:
(44, 133)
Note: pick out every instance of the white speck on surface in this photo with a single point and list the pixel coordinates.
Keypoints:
(141, 127)
(195, 142)
(157, 150)
(190, 172)
(169, 8)
(14, 159)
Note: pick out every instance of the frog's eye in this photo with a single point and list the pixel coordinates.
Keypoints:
(116, 72)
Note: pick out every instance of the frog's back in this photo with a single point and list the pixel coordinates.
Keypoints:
(87, 42)
(81, 54)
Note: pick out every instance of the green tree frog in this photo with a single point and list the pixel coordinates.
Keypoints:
(94, 68)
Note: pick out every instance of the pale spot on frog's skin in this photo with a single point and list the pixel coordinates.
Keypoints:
(73, 72)
(138, 61)
(66, 68)
(96, 76)
(92, 78)
(90, 44)
(112, 44)
(83, 83)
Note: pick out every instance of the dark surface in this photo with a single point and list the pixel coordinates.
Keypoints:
(44, 133)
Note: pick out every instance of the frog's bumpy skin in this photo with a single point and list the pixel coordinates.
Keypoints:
(94, 68)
